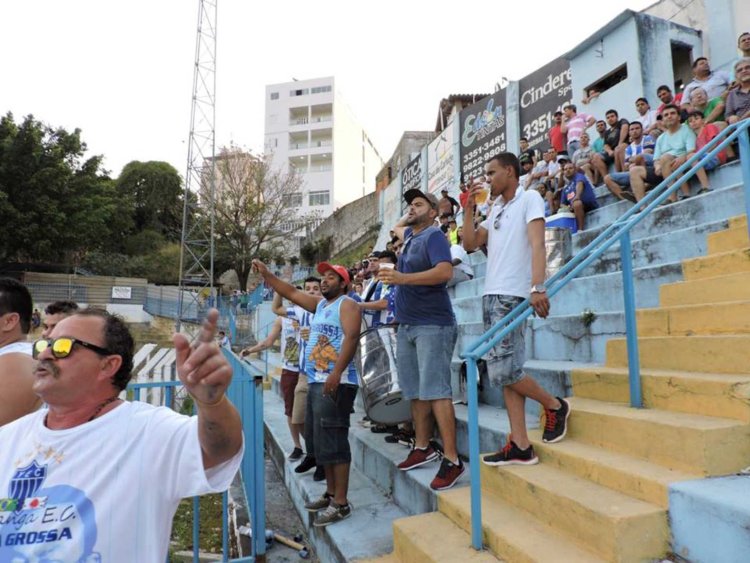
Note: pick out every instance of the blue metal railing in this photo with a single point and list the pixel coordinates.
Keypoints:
(618, 231)
(246, 394)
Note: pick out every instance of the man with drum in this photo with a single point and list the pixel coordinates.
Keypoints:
(427, 334)
(332, 380)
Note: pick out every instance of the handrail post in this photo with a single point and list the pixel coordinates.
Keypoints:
(472, 383)
(259, 520)
(744, 141)
(631, 329)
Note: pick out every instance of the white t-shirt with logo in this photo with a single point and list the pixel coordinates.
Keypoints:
(508, 247)
(104, 491)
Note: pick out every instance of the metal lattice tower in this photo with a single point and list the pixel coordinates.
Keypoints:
(197, 245)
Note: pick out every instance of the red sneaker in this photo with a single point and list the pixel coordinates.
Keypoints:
(447, 475)
(417, 458)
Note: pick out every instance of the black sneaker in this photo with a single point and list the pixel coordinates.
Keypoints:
(307, 464)
(333, 513)
(365, 421)
(320, 473)
(400, 437)
(438, 447)
(556, 425)
(296, 454)
(512, 455)
(383, 429)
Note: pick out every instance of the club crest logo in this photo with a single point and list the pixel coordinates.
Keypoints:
(26, 481)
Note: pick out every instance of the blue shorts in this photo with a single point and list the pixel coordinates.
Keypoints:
(505, 361)
(622, 179)
(424, 355)
(712, 163)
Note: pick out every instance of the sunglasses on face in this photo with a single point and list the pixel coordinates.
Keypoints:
(62, 347)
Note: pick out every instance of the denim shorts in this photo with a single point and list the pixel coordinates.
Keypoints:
(505, 361)
(622, 179)
(330, 423)
(712, 163)
(424, 355)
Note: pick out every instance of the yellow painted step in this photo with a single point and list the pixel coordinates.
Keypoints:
(612, 525)
(511, 533)
(691, 443)
(708, 394)
(738, 221)
(434, 537)
(390, 558)
(732, 317)
(635, 477)
(729, 353)
(734, 238)
(721, 289)
(723, 263)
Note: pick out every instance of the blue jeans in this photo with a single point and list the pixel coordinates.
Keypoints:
(424, 361)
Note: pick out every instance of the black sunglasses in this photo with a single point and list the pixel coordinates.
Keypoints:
(63, 346)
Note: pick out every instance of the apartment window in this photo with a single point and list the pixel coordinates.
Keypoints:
(321, 197)
(303, 92)
(274, 95)
(321, 89)
(293, 199)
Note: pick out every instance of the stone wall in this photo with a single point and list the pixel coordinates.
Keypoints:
(350, 223)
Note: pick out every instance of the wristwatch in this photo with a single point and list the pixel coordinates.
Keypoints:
(538, 288)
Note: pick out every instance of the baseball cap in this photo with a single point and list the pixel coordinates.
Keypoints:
(414, 193)
(342, 272)
(563, 157)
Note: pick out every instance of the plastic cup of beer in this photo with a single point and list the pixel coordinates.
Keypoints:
(481, 197)
(386, 266)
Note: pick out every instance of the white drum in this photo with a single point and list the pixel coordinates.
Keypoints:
(378, 376)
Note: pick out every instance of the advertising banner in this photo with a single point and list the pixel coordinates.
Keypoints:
(411, 176)
(543, 92)
(440, 168)
(482, 130)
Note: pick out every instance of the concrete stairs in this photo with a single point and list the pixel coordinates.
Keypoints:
(603, 494)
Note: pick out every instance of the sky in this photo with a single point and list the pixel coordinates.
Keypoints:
(122, 71)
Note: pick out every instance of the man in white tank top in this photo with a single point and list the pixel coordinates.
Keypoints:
(16, 364)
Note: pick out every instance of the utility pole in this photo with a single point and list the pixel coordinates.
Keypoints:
(197, 242)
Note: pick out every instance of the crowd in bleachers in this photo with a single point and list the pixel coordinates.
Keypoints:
(630, 151)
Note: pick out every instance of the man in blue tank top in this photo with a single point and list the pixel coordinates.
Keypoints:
(332, 379)
(426, 335)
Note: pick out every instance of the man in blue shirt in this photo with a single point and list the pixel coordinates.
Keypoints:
(577, 193)
(427, 334)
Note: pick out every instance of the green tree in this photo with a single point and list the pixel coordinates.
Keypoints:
(55, 204)
(153, 192)
(252, 214)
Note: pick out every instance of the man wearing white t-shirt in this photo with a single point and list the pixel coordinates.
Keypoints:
(462, 270)
(516, 262)
(16, 365)
(95, 478)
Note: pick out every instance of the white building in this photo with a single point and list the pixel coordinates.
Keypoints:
(310, 128)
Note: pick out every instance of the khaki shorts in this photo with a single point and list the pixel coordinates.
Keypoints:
(300, 400)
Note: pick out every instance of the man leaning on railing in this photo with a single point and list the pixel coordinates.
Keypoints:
(95, 478)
